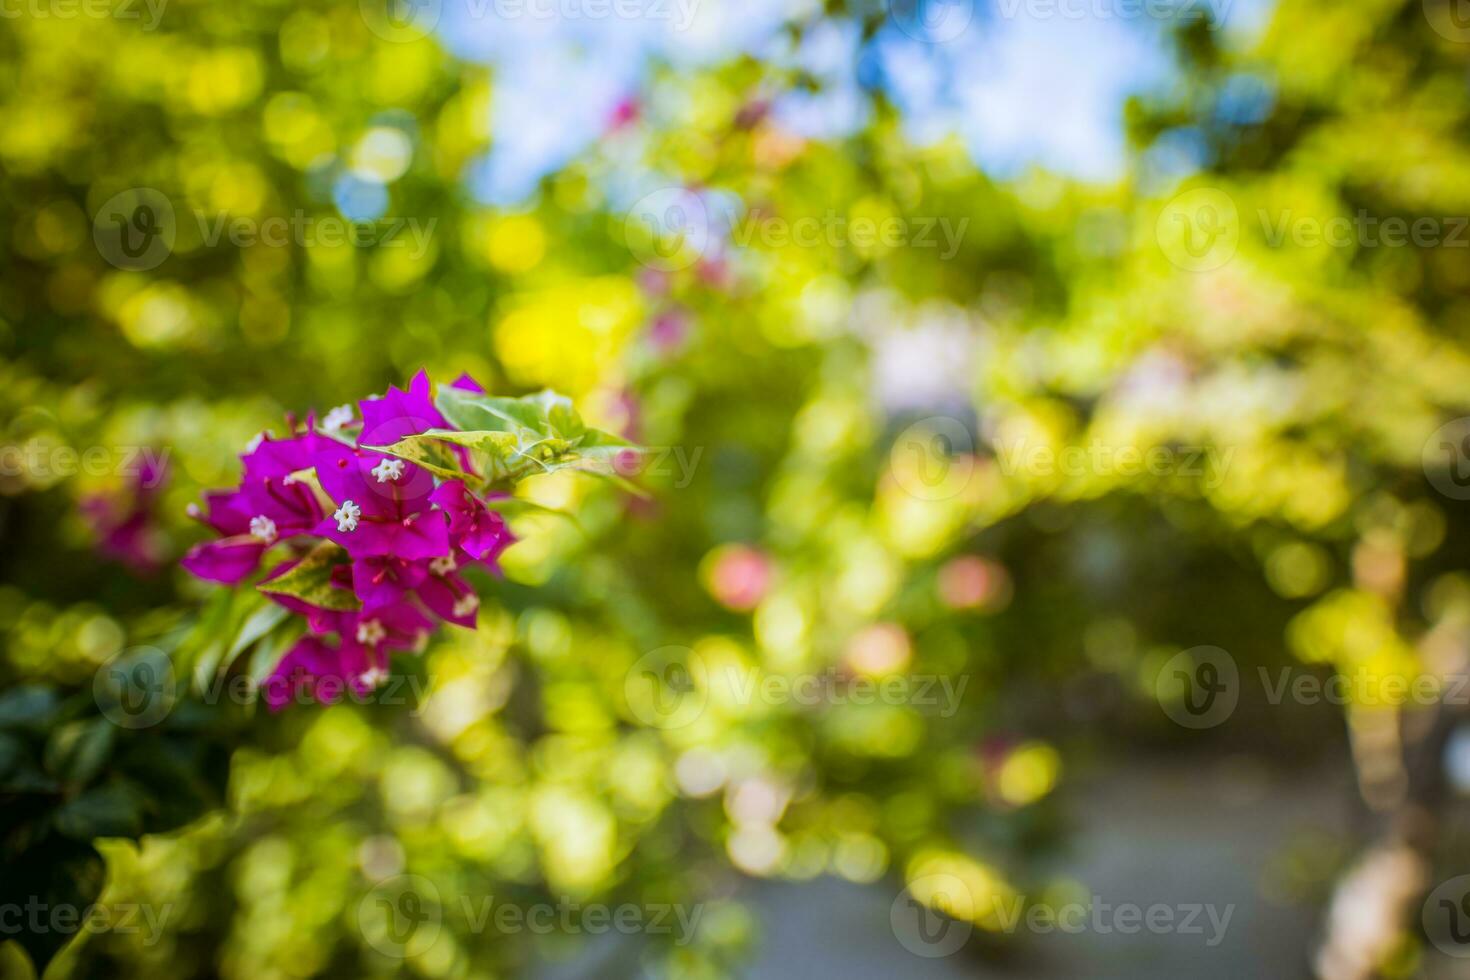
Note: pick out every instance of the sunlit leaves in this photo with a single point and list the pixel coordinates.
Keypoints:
(509, 439)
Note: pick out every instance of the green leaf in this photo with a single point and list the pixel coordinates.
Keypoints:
(269, 653)
(76, 752)
(204, 643)
(27, 706)
(558, 412)
(19, 774)
(496, 443)
(512, 438)
(597, 453)
(546, 414)
(28, 778)
(174, 779)
(498, 455)
(12, 755)
(503, 454)
(259, 623)
(111, 810)
(472, 412)
(426, 450)
(598, 439)
(513, 507)
(219, 632)
(621, 482)
(311, 580)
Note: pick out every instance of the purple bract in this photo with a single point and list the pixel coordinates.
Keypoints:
(404, 535)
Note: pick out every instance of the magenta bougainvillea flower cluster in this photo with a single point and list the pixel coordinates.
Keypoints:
(368, 547)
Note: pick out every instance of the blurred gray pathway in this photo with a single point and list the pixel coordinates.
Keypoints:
(1177, 834)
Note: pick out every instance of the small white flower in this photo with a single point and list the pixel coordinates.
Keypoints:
(346, 516)
(337, 418)
(388, 469)
(373, 676)
(263, 528)
(466, 604)
(443, 566)
(371, 632)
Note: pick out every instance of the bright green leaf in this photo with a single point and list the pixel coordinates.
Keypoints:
(311, 580)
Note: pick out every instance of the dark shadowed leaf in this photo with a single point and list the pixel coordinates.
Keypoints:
(76, 752)
(28, 706)
(113, 809)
